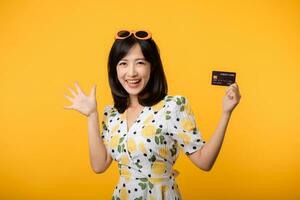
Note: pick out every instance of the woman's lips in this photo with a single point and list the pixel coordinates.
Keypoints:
(133, 83)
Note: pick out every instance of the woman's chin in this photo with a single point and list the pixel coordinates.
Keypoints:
(133, 92)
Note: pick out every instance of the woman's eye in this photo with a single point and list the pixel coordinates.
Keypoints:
(122, 63)
(142, 63)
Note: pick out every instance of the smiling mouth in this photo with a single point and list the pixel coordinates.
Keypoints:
(133, 81)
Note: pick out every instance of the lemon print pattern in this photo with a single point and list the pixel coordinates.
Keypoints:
(187, 124)
(149, 131)
(114, 141)
(142, 147)
(131, 144)
(184, 137)
(164, 152)
(124, 159)
(147, 152)
(158, 167)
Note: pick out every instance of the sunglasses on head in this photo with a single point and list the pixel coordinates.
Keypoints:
(139, 34)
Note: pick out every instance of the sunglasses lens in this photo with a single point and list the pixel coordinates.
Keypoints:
(141, 34)
(123, 33)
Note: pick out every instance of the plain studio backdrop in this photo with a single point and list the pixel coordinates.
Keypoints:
(46, 46)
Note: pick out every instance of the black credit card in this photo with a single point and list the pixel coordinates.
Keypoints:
(223, 78)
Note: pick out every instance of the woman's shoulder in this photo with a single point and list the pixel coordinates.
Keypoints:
(175, 102)
(109, 110)
(176, 99)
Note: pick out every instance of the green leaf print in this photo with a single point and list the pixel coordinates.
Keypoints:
(144, 179)
(118, 198)
(181, 108)
(150, 185)
(156, 140)
(168, 112)
(158, 131)
(119, 148)
(113, 114)
(152, 159)
(140, 198)
(183, 100)
(161, 137)
(168, 117)
(169, 98)
(121, 140)
(138, 165)
(173, 150)
(104, 126)
(143, 185)
(178, 101)
(113, 198)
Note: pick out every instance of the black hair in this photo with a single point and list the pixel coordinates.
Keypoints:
(156, 88)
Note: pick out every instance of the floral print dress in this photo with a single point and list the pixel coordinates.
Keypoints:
(147, 152)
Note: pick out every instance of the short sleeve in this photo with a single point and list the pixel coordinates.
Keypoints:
(182, 126)
(105, 128)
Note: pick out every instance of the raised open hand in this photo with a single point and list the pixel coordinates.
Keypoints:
(86, 105)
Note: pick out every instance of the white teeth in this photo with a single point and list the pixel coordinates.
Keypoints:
(133, 81)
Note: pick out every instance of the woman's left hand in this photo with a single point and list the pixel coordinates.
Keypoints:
(231, 98)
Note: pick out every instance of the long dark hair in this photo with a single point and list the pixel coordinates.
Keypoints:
(156, 88)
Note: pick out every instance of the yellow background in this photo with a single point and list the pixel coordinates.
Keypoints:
(47, 45)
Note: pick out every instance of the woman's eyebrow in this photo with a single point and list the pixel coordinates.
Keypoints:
(134, 59)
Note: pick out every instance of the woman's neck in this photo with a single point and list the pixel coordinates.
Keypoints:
(134, 102)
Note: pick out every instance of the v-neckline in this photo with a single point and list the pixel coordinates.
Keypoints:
(128, 129)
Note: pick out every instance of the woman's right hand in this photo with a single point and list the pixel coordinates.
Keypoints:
(86, 105)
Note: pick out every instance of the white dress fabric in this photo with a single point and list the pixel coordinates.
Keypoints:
(147, 152)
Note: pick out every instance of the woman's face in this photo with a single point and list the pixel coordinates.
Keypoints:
(134, 71)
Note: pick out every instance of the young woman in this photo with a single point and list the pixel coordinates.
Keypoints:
(145, 127)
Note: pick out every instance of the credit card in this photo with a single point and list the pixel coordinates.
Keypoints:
(223, 78)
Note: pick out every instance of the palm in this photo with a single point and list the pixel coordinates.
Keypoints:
(82, 103)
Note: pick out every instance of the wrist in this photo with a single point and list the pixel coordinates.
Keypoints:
(93, 114)
(226, 114)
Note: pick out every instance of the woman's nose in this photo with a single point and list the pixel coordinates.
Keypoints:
(132, 71)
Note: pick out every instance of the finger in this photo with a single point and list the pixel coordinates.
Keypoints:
(72, 91)
(93, 91)
(227, 91)
(231, 89)
(235, 95)
(228, 88)
(234, 88)
(69, 98)
(230, 95)
(78, 87)
(234, 85)
(68, 107)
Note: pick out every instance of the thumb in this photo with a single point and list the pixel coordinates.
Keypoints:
(93, 91)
